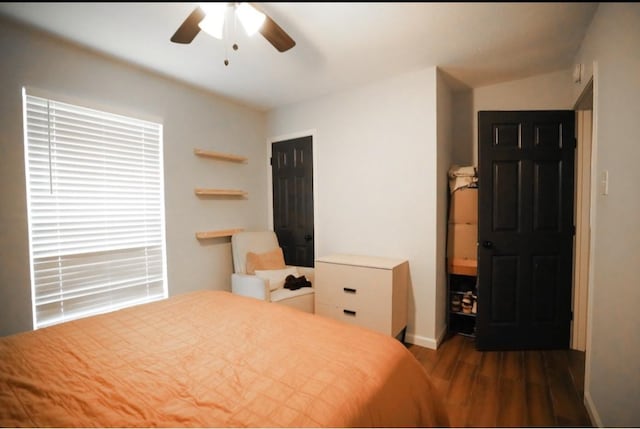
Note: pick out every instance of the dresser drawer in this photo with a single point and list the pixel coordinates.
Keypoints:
(355, 315)
(350, 286)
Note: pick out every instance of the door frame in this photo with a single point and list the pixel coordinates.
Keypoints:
(314, 139)
(582, 214)
(595, 193)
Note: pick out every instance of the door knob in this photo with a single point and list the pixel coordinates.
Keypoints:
(487, 244)
(308, 237)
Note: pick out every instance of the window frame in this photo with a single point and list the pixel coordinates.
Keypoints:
(158, 202)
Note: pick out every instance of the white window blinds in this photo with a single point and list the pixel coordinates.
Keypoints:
(96, 210)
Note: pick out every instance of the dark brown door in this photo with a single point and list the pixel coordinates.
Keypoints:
(292, 172)
(525, 229)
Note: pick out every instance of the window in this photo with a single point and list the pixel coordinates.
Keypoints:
(96, 210)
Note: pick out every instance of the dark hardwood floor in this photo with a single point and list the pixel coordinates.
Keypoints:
(542, 388)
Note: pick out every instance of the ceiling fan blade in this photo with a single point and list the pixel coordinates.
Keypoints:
(276, 35)
(189, 28)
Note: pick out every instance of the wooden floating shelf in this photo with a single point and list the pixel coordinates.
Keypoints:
(218, 155)
(217, 234)
(220, 192)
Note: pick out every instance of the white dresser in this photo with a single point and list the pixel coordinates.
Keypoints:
(363, 290)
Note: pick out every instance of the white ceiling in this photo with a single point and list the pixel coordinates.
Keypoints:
(338, 44)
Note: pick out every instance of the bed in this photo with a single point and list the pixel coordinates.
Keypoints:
(212, 359)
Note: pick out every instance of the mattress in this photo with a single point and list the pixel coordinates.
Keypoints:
(212, 359)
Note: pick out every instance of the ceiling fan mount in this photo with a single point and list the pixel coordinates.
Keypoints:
(212, 14)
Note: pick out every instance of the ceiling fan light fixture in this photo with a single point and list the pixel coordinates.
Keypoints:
(211, 18)
(213, 22)
(251, 18)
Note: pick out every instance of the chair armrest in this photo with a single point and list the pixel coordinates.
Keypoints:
(251, 286)
(308, 272)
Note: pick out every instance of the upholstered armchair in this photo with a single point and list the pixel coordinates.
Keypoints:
(259, 271)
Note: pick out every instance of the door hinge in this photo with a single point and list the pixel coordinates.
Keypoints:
(573, 229)
(571, 315)
(575, 142)
(271, 161)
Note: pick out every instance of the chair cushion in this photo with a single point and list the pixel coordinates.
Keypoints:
(276, 278)
(271, 260)
(250, 241)
(280, 295)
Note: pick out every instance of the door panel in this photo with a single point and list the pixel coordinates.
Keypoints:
(503, 295)
(525, 229)
(544, 288)
(281, 205)
(548, 135)
(506, 194)
(547, 194)
(506, 135)
(292, 172)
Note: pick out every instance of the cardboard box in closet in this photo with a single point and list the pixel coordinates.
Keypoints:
(464, 206)
(462, 247)
(463, 241)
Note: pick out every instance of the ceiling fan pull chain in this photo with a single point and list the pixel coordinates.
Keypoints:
(235, 21)
(226, 48)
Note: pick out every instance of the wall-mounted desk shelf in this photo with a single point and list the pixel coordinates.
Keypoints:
(203, 192)
(219, 155)
(204, 235)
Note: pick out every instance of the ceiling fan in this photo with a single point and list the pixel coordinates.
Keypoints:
(210, 17)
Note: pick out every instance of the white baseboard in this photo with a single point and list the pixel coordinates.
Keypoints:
(591, 410)
(421, 341)
(427, 342)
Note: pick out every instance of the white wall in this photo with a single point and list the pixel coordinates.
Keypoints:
(551, 91)
(191, 119)
(464, 145)
(612, 380)
(445, 153)
(376, 179)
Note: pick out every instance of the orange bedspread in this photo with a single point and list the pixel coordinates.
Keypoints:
(211, 359)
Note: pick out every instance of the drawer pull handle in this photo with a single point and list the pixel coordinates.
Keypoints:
(349, 313)
(349, 290)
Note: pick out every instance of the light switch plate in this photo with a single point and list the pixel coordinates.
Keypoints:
(604, 183)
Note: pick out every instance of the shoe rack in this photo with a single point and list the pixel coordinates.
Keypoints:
(463, 293)
(462, 260)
